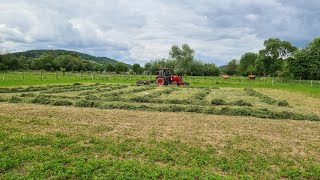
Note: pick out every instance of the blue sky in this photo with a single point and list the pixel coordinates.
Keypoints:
(135, 31)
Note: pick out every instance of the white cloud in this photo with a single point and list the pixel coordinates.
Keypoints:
(138, 31)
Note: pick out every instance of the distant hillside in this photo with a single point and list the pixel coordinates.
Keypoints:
(37, 53)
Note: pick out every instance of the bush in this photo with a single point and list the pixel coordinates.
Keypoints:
(218, 102)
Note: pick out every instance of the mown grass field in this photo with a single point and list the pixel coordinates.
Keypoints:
(122, 131)
(67, 142)
(10, 79)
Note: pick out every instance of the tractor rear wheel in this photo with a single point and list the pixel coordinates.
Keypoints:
(160, 81)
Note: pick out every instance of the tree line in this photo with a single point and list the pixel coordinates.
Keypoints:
(279, 58)
(183, 63)
(51, 61)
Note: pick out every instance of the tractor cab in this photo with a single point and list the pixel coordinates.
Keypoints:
(164, 73)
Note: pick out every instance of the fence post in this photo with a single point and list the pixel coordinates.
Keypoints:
(22, 75)
(311, 82)
(91, 76)
(272, 82)
(3, 77)
(56, 75)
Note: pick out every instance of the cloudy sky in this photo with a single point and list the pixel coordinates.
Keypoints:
(136, 31)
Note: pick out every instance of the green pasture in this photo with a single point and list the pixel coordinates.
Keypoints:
(45, 78)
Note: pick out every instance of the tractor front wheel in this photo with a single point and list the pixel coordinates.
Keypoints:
(160, 81)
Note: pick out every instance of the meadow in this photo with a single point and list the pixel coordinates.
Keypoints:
(103, 126)
(27, 78)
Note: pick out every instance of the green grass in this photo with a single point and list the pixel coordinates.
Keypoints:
(38, 148)
(35, 78)
(59, 155)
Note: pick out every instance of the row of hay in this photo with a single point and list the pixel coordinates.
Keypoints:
(241, 111)
(265, 98)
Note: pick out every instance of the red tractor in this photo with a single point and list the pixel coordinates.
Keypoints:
(165, 77)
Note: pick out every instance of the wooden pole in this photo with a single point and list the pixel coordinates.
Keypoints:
(41, 75)
(56, 75)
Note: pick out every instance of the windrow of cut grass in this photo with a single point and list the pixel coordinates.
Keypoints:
(138, 98)
(231, 111)
(265, 98)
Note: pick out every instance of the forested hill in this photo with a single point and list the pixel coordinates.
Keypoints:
(59, 60)
(55, 53)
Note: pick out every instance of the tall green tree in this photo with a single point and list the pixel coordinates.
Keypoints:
(184, 57)
(120, 67)
(306, 62)
(148, 67)
(247, 63)
(137, 69)
(232, 67)
(110, 67)
(272, 57)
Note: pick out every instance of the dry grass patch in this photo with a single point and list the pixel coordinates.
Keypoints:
(299, 102)
(286, 136)
(60, 139)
